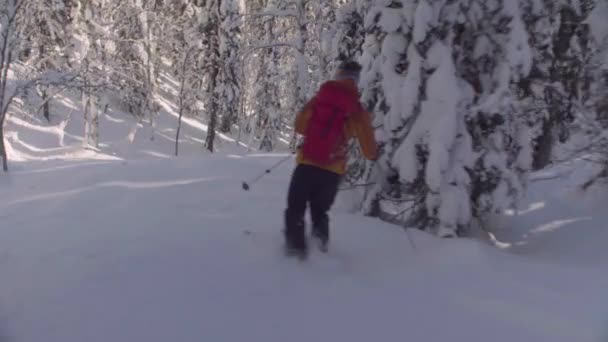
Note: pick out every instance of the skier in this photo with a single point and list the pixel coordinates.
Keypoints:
(327, 122)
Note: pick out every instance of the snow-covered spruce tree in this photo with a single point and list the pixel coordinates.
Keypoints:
(592, 120)
(579, 68)
(229, 78)
(387, 28)
(598, 64)
(449, 133)
(556, 83)
(493, 65)
(347, 42)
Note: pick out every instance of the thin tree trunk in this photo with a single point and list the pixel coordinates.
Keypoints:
(211, 130)
(544, 146)
(95, 121)
(2, 119)
(179, 127)
(46, 107)
(210, 139)
(241, 116)
(44, 89)
(2, 146)
(91, 119)
(87, 116)
(181, 101)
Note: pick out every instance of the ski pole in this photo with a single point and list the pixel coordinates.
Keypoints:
(350, 187)
(246, 185)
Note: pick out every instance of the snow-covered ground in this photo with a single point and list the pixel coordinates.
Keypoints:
(133, 244)
(176, 250)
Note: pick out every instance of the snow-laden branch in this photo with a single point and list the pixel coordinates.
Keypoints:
(51, 78)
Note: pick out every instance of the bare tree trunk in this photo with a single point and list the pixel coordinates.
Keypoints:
(87, 116)
(47, 106)
(2, 146)
(91, 118)
(179, 127)
(210, 139)
(242, 115)
(2, 119)
(544, 146)
(211, 131)
(43, 93)
(95, 121)
(181, 101)
(211, 128)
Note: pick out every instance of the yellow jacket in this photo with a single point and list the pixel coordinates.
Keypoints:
(358, 126)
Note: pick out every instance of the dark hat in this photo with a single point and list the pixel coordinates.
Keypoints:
(350, 66)
(348, 69)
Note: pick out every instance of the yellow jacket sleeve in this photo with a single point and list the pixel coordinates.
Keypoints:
(364, 132)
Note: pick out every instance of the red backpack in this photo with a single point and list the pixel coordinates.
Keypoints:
(324, 137)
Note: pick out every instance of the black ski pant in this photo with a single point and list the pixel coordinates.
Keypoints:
(317, 188)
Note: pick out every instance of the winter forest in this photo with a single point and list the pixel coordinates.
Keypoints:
(468, 96)
(127, 126)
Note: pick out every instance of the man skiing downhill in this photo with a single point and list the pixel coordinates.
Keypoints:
(327, 122)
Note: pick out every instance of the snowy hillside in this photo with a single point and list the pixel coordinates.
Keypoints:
(31, 137)
(157, 250)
